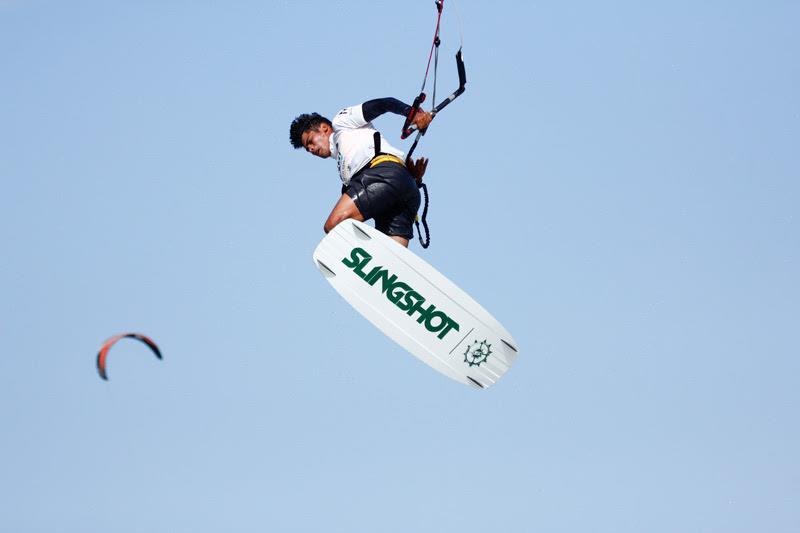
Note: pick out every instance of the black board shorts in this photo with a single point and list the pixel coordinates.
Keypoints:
(388, 193)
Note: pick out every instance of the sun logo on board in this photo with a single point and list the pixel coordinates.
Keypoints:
(477, 353)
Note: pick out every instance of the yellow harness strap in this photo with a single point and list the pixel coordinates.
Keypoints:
(385, 158)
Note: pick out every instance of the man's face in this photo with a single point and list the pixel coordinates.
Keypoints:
(317, 141)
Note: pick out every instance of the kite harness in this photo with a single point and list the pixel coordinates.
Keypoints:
(409, 128)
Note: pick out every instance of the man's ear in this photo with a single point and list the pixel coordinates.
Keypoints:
(325, 128)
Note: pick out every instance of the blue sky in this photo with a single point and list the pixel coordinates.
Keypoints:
(618, 185)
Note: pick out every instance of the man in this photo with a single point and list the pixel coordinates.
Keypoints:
(376, 182)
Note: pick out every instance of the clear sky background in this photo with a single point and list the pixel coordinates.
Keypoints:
(619, 186)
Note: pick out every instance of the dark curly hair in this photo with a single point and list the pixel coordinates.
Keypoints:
(304, 123)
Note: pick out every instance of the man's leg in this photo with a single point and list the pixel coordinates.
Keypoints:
(345, 208)
(401, 240)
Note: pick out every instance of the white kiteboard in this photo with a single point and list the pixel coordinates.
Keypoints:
(412, 303)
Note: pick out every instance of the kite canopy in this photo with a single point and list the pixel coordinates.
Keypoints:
(103, 353)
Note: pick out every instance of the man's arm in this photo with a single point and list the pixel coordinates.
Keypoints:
(375, 108)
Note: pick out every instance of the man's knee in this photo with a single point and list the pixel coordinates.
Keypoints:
(345, 208)
(332, 222)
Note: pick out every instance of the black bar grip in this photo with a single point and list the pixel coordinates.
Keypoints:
(462, 71)
(462, 84)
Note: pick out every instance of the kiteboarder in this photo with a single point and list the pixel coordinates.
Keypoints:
(376, 181)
